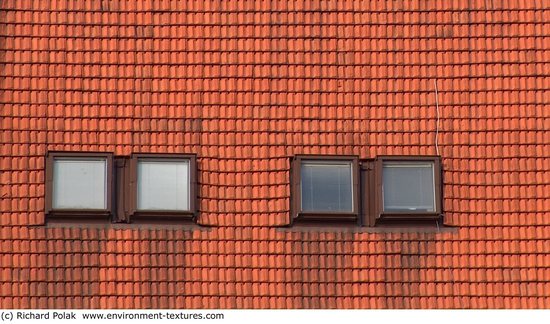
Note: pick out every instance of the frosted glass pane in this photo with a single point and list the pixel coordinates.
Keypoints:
(163, 185)
(79, 184)
(408, 187)
(327, 187)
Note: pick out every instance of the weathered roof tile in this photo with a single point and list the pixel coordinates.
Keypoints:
(246, 87)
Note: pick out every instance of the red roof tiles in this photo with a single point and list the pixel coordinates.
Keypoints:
(248, 84)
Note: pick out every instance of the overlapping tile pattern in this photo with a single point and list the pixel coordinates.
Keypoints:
(248, 84)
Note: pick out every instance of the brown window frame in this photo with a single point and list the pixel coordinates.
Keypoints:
(68, 213)
(298, 215)
(377, 195)
(133, 214)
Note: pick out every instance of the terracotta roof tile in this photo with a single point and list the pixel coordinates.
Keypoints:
(246, 87)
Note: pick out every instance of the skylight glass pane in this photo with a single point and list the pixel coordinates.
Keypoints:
(408, 187)
(163, 185)
(79, 184)
(327, 187)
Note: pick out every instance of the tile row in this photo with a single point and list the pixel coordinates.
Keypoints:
(296, 100)
(479, 8)
(234, 117)
(500, 225)
(202, 62)
(27, 75)
(218, 302)
(162, 275)
(219, 33)
(281, 89)
(216, 146)
(531, 289)
(257, 268)
(306, 254)
(209, 302)
(504, 133)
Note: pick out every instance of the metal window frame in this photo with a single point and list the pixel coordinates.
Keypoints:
(299, 215)
(133, 214)
(79, 213)
(381, 214)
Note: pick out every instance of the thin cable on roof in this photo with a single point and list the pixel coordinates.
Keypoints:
(437, 122)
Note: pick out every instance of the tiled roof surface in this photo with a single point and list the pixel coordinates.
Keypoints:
(248, 84)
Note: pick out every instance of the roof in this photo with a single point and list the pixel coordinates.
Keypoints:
(246, 85)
